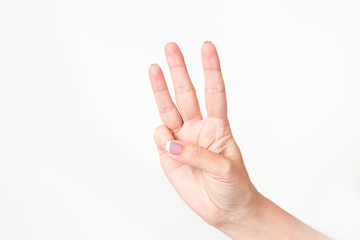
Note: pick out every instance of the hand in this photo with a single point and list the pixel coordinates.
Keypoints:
(209, 173)
(203, 162)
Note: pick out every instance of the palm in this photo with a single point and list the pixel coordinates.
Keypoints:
(208, 133)
(212, 132)
(191, 183)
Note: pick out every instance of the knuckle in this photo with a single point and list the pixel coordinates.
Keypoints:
(184, 89)
(166, 109)
(213, 91)
(226, 167)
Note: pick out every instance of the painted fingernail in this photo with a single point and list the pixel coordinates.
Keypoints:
(173, 147)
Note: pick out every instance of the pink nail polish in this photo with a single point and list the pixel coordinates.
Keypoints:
(173, 147)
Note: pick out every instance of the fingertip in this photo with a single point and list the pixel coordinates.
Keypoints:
(208, 48)
(207, 44)
(162, 135)
(171, 47)
(154, 69)
(210, 58)
(173, 147)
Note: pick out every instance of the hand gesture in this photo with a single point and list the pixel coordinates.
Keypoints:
(202, 160)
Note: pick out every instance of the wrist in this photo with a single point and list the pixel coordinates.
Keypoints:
(266, 220)
(246, 224)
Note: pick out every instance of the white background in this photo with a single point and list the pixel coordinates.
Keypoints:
(77, 115)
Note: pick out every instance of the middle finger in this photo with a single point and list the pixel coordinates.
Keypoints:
(184, 90)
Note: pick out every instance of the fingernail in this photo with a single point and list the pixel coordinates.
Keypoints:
(173, 147)
(207, 42)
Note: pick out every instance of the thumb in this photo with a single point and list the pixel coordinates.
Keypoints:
(196, 156)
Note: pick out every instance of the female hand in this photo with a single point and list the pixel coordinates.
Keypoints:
(201, 158)
(209, 173)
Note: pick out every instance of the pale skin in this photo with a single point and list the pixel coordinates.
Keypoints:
(209, 173)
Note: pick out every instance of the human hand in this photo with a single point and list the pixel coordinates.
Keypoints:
(202, 160)
(209, 173)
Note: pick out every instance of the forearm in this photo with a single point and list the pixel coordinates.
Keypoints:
(269, 222)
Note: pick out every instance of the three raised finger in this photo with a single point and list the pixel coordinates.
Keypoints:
(169, 114)
(215, 96)
(184, 90)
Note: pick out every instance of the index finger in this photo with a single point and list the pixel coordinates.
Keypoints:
(169, 114)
